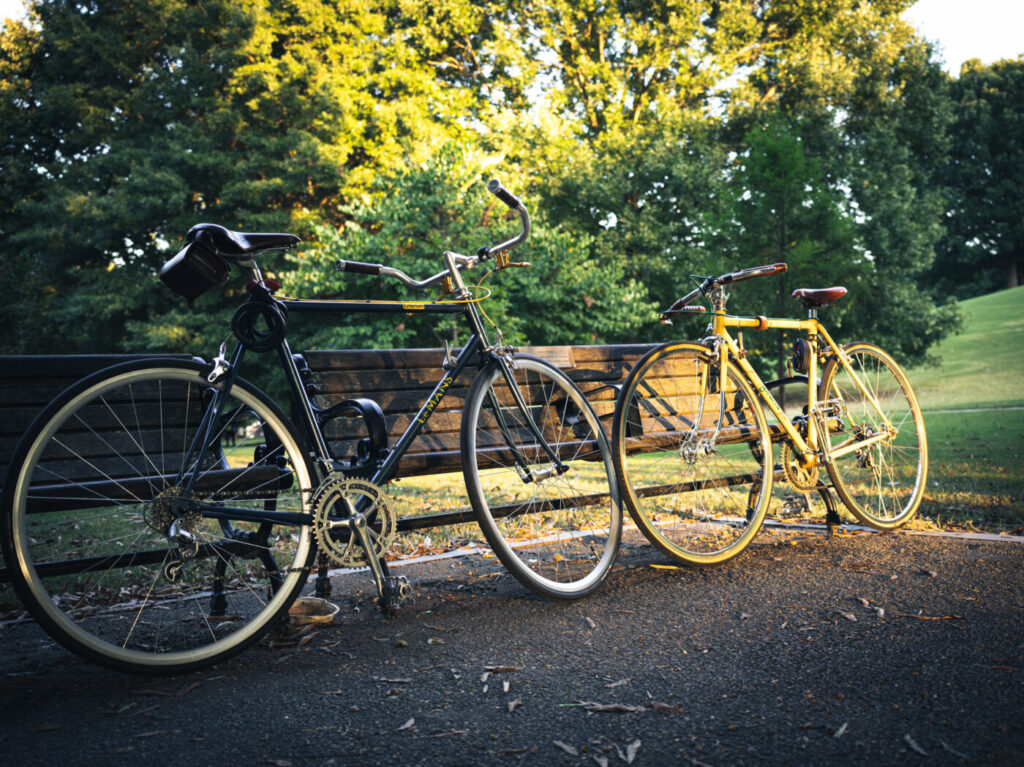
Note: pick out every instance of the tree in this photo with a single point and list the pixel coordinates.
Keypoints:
(780, 209)
(132, 121)
(873, 108)
(984, 245)
(644, 198)
(416, 213)
(127, 122)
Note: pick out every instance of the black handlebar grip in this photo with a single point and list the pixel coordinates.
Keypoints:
(358, 266)
(494, 187)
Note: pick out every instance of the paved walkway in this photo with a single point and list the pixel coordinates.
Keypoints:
(865, 649)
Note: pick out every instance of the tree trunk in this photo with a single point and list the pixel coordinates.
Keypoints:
(1012, 271)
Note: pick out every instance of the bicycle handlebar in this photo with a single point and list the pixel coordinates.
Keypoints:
(462, 263)
(754, 271)
(358, 266)
(711, 283)
(494, 187)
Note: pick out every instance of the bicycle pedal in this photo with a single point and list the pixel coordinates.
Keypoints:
(401, 587)
(397, 590)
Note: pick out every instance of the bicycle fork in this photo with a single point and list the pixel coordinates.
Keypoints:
(527, 474)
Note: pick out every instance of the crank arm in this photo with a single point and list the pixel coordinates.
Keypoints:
(392, 589)
(357, 524)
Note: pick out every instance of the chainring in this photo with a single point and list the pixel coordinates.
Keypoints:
(800, 478)
(346, 551)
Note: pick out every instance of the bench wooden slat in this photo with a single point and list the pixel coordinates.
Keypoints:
(401, 380)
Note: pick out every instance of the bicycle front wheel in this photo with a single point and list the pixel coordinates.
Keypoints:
(876, 437)
(693, 454)
(113, 553)
(556, 527)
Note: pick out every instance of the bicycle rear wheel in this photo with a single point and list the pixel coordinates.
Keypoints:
(116, 559)
(557, 532)
(693, 456)
(882, 483)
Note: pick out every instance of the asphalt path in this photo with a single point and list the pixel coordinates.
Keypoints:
(861, 649)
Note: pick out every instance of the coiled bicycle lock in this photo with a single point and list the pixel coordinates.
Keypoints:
(260, 324)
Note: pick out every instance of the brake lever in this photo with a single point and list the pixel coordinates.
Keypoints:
(501, 261)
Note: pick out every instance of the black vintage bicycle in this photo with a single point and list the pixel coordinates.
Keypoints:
(161, 515)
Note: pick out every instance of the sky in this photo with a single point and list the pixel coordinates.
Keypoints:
(989, 30)
(963, 29)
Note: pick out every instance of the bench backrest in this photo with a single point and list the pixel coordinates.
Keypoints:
(28, 383)
(401, 380)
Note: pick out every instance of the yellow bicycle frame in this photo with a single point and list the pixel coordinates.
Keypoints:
(813, 450)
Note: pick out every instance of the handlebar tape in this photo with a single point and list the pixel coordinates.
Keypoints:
(756, 271)
(357, 266)
(681, 305)
(494, 187)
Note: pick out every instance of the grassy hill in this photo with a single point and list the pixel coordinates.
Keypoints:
(974, 413)
(984, 365)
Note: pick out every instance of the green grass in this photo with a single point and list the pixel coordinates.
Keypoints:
(983, 366)
(975, 434)
(976, 475)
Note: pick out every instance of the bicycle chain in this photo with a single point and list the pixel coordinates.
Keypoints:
(227, 495)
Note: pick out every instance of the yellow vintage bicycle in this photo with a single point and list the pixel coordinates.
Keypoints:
(694, 446)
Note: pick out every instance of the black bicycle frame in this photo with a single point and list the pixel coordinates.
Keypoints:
(477, 344)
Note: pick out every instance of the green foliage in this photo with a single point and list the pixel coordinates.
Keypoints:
(984, 248)
(643, 198)
(131, 121)
(781, 209)
(650, 140)
(413, 215)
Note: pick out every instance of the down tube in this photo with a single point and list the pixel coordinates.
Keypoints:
(390, 466)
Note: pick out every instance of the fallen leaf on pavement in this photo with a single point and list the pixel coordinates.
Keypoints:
(617, 708)
(631, 750)
(910, 742)
(570, 750)
(666, 707)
